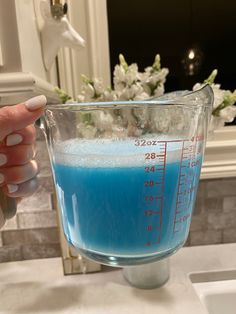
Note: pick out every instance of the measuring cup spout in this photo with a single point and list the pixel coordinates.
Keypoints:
(203, 97)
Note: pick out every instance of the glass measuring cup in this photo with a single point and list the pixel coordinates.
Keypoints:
(126, 173)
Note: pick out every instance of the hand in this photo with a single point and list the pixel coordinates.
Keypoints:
(18, 169)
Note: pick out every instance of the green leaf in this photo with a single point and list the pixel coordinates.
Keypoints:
(210, 80)
(63, 95)
(157, 63)
(123, 63)
(229, 100)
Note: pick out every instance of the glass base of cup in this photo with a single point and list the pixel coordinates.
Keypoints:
(123, 261)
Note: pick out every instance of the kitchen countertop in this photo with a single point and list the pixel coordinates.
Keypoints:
(39, 286)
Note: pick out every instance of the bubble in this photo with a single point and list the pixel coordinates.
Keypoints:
(111, 153)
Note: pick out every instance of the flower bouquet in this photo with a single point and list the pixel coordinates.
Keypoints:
(131, 84)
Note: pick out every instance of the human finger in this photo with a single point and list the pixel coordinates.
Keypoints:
(16, 155)
(21, 190)
(17, 117)
(26, 135)
(18, 174)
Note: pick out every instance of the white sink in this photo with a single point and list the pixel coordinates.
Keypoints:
(216, 290)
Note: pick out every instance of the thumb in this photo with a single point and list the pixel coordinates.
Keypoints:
(13, 118)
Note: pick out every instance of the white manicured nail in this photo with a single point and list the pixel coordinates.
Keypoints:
(36, 102)
(1, 178)
(3, 159)
(12, 188)
(13, 139)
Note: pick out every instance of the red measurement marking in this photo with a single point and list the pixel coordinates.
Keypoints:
(157, 173)
(150, 212)
(149, 243)
(151, 198)
(182, 219)
(153, 155)
(179, 187)
(173, 141)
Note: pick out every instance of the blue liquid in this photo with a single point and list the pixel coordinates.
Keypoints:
(126, 210)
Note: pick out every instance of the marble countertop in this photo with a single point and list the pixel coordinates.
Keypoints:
(39, 286)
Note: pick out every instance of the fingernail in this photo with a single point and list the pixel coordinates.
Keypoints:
(12, 188)
(1, 178)
(13, 139)
(36, 102)
(3, 159)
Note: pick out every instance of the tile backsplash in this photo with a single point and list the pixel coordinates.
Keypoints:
(33, 232)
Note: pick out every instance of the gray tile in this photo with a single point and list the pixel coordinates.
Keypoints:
(40, 200)
(42, 158)
(229, 203)
(199, 222)
(43, 250)
(10, 253)
(202, 189)
(54, 204)
(221, 187)
(199, 206)
(13, 237)
(214, 204)
(11, 224)
(201, 237)
(30, 236)
(44, 235)
(37, 220)
(229, 235)
(222, 220)
(187, 242)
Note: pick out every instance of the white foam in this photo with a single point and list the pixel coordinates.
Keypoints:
(111, 153)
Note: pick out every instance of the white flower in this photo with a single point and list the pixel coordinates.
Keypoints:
(109, 95)
(98, 86)
(159, 90)
(87, 131)
(142, 95)
(131, 92)
(125, 76)
(119, 74)
(153, 79)
(228, 113)
(102, 120)
(223, 106)
(87, 92)
(215, 123)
